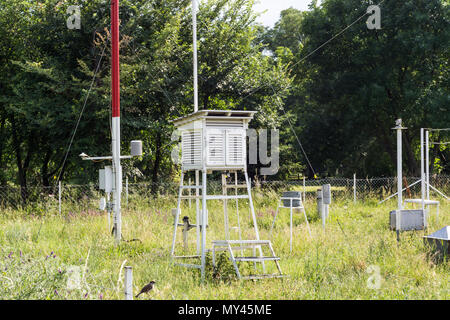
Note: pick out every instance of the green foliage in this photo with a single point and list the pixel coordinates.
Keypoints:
(347, 94)
(46, 75)
(341, 99)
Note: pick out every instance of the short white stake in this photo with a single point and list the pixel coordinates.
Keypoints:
(128, 283)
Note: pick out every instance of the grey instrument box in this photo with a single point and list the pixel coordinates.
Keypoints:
(291, 194)
(410, 220)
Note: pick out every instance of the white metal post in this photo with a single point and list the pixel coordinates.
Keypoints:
(354, 188)
(115, 93)
(118, 179)
(59, 197)
(128, 283)
(197, 174)
(398, 215)
(203, 225)
(237, 208)
(225, 207)
(399, 167)
(422, 168)
(197, 209)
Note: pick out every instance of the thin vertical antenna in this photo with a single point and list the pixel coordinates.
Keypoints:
(194, 40)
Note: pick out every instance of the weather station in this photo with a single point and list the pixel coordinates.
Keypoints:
(111, 176)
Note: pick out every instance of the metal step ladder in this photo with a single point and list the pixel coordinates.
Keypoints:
(231, 245)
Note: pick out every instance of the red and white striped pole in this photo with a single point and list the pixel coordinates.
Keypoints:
(115, 76)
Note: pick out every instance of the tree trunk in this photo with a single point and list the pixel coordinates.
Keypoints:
(411, 162)
(22, 165)
(44, 169)
(2, 146)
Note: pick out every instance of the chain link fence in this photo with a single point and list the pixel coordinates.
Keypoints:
(85, 198)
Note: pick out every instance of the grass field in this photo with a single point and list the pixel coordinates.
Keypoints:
(42, 251)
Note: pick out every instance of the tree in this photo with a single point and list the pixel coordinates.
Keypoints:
(350, 91)
(48, 69)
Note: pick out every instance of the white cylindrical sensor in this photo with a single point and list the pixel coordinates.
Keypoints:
(136, 148)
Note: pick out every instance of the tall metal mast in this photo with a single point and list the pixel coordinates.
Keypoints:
(110, 178)
(115, 84)
(195, 62)
(194, 40)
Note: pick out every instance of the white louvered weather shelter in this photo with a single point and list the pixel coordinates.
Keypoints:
(215, 140)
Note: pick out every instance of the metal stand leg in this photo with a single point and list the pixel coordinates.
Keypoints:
(234, 262)
(203, 225)
(177, 216)
(276, 261)
(237, 209)
(197, 209)
(249, 191)
(225, 207)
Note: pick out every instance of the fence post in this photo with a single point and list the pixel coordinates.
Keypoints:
(59, 197)
(128, 283)
(354, 188)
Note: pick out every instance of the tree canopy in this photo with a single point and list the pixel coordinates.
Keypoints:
(340, 96)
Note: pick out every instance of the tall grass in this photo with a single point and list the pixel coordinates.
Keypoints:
(39, 250)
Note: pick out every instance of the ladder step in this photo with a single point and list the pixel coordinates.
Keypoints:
(244, 196)
(191, 187)
(234, 186)
(244, 242)
(232, 248)
(196, 266)
(186, 257)
(257, 259)
(264, 276)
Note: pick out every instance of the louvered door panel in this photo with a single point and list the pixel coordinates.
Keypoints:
(236, 153)
(191, 147)
(215, 147)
